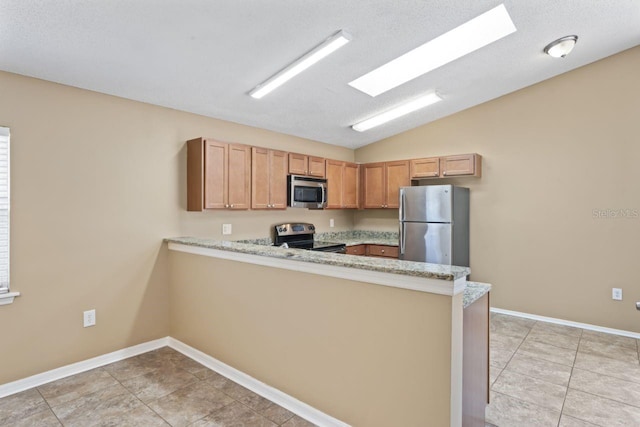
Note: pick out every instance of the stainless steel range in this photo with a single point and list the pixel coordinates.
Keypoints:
(300, 235)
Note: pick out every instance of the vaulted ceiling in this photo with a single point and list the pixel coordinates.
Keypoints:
(205, 56)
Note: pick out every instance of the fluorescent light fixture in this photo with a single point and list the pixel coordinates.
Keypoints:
(468, 37)
(399, 111)
(561, 47)
(325, 48)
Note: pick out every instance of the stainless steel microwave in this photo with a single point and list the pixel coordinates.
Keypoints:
(306, 192)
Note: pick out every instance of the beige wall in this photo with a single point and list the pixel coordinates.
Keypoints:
(553, 153)
(97, 183)
(368, 355)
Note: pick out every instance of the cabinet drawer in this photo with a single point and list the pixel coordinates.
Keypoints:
(356, 250)
(384, 251)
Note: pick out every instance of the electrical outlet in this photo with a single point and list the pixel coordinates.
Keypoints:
(332, 223)
(89, 318)
(616, 294)
(226, 229)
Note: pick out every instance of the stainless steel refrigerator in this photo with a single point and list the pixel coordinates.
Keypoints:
(434, 224)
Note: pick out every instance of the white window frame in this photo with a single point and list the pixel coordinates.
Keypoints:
(6, 296)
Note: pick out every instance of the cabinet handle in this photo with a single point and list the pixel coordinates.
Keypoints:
(226, 206)
(444, 173)
(231, 205)
(382, 251)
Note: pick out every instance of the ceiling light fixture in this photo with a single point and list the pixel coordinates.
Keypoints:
(468, 37)
(561, 47)
(325, 48)
(399, 111)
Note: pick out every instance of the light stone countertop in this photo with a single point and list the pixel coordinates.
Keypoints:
(473, 292)
(263, 247)
(360, 237)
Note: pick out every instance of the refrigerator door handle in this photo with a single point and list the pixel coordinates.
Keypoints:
(402, 240)
(401, 210)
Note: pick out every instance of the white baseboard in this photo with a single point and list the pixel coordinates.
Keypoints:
(83, 366)
(568, 323)
(290, 403)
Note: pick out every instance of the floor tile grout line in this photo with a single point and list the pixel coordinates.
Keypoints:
(49, 406)
(573, 366)
(606, 398)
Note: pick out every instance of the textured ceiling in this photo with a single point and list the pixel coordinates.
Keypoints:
(205, 56)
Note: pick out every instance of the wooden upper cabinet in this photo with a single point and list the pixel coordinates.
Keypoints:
(373, 185)
(334, 184)
(298, 164)
(215, 189)
(350, 186)
(442, 167)
(301, 164)
(465, 164)
(239, 170)
(279, 162)
(397, 176)
(342, 184)
(381, 183)
(268, 179)
(316, 167)
(218, 175)
(425, 168)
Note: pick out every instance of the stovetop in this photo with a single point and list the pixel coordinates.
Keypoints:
(300, 235)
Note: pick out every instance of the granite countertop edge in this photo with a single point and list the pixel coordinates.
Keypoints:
(262, 247)
(473, 292)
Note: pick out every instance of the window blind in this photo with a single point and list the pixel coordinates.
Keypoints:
(4, 210)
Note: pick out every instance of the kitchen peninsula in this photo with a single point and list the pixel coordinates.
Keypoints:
(368, 341)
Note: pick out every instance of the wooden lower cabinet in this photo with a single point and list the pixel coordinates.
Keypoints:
(475, 362)
(382, 251)
(357, 250)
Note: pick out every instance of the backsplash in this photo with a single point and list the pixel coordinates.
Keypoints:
(356, 235)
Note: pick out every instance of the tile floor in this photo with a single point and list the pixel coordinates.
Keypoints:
(544, 374)
(159, 388)
(541, 375)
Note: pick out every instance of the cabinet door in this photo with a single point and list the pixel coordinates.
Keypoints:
(316, 167)
(215, 175)
(373, 185)
(465, 164)
(239, 176)
(298, 164)
(278, 166)
(334, 184)
(350, 186)
(397, 176)
(260, 179)
(425, 168)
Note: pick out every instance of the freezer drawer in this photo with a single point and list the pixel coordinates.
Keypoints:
(425, 242)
